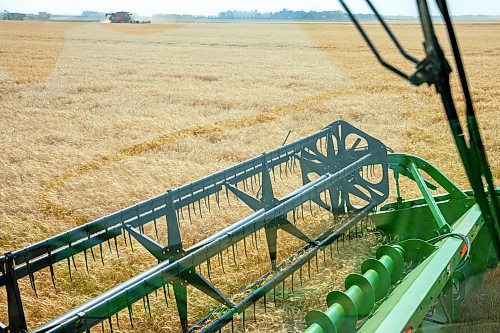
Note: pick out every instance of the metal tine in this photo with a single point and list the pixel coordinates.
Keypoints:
(69, 269)
(92, 249)
(130, 315)
(144, 304)
(194, 208)
(102, 326)
(309, 268)
(30, 274)
(122, 230)
(102, 255)
(149, 305)
(117, 320)
(324, 256)
(189, 214)
(155, 225)
(217, 198)
(71, 254)
(165, 294)
(221, 259)
(116, 247)
(292, 282)
(265, 303)
(51, 266)
(243, 318)
(251, 184)
(177, 214)
(234, 255)
(245, 246)
(209, 269)
(227, 196)
(86, 260)
(274, 175)
(182, 213)
(317, 263)
(110, 324)
(199, 208)
(256, 242)
(281, 171)
(254, 315)
(107, 238)
(207, 203)
(302, 210)
(130, 310)
(283, 288)
(130, 241)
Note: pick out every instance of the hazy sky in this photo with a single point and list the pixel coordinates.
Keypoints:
(213, 7)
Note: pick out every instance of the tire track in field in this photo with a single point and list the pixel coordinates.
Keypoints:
(50, 207)
(47, 196)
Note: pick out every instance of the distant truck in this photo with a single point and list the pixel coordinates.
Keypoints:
(42, 16)
(123, 17)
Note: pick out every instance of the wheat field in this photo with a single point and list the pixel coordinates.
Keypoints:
(96, 117)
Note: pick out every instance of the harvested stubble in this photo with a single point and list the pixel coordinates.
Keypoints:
(124, 116)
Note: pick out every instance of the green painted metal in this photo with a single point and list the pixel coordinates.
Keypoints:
(414, 224)
(400, 164)
(438, 216)
(425, 217)
(408, 304)
(362, 291)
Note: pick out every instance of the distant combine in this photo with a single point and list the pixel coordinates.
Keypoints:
(123, 17)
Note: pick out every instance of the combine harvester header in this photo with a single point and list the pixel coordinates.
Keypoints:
(342, 170)
(440, 244)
